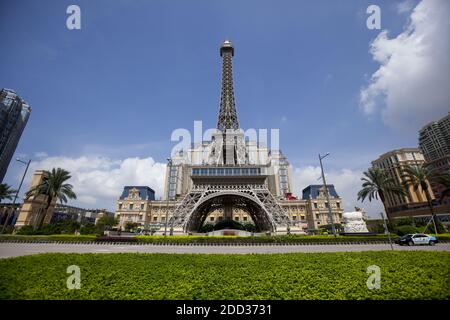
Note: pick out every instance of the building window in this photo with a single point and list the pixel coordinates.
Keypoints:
(155, 219)
(211, 219)
(294, 217)
(315, 205)
(338, 205)
(130, 206)
(142, 206)
(120, 206)
(245, 218)
(317, 216)
(236, 218)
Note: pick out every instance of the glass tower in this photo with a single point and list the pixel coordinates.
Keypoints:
(14, 114)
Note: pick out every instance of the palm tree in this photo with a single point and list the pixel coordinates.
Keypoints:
(418, 176)
(377, 184)
(6, 192)
(53, 186)
(444, 181)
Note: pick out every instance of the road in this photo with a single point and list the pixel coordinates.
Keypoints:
(21, 249)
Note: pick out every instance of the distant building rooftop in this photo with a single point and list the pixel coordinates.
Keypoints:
(145, 193)
(313, 191)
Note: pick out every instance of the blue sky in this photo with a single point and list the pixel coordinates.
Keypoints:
(139, 69)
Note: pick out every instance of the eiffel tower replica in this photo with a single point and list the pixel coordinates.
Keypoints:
(227, 173)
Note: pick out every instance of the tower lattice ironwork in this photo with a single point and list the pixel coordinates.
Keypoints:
(227, 118)
(228, 152)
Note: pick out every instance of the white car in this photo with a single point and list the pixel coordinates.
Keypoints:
(416, 239)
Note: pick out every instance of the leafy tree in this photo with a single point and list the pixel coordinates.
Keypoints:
(405, 229)
(408, 221)
(376, 184)
(207, 227)
(106, 223)
(89, 228)
(53, 186)
(131, 225)
(6, 192)
(228, 224)
(417, 176)
(328, 228)
(250, 227)
(444, 181)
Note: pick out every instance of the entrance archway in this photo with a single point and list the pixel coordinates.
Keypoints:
(227, 201)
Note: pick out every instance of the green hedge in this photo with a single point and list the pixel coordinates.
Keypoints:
(404, 275)
(51, 238)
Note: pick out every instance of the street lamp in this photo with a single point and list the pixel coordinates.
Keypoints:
(18, 190)
(330, 213)
(169, 166)
(386, 230)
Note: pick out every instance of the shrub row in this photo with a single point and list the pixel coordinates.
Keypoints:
(343, 276)
(48, 238)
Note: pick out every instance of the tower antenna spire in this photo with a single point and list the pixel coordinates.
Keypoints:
(227, 118)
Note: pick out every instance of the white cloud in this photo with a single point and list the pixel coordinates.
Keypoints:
(410, 88)
(405, 6)
(40, 155)
(99, 181)
(346, 182)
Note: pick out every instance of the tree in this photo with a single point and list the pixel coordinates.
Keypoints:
(6, 192)
(417, 176)
(105, 223)
(131, 225)
(53, 186)
(444, 181)
(376, 184)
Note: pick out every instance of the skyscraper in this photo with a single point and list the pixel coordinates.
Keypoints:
(14, 114)
(434, 141)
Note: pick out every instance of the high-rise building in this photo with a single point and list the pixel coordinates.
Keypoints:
(394, 162)
(14, 114)
(434, 141)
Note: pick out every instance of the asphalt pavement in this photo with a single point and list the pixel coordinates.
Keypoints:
(21, 249)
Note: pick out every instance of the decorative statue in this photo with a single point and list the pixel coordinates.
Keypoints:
(354, 222)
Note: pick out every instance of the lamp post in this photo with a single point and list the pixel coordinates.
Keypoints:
(387, 230)
(330, 213)
(18, 190)
(169, 166)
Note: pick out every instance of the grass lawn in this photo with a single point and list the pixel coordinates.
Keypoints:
(404, 275)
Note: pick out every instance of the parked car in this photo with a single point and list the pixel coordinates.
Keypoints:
(416, 239)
